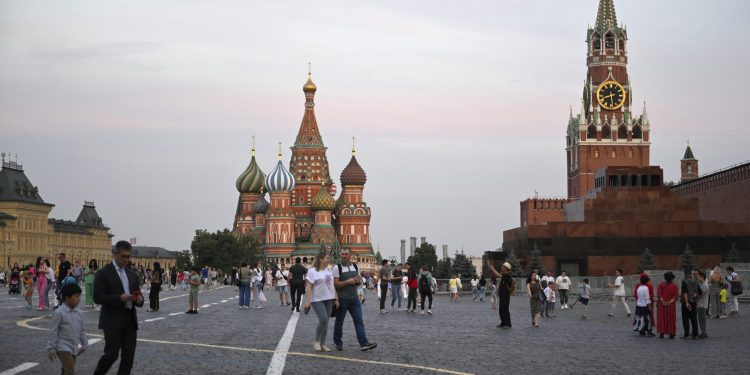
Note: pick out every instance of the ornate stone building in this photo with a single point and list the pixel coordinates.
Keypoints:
(27, 231)
(302, 216)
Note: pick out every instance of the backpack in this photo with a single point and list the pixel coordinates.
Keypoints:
(424, 283)
(693, 291)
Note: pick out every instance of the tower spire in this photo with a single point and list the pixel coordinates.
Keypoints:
(253, 150)
(605, 16)
(279, 150)
(354, 149)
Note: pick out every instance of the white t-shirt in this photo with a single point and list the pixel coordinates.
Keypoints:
(322, 282)
(643, 297)
(547, 279)
(280, 277)
(474, 283)
(620, 286)
(563, 283)
(550, 294)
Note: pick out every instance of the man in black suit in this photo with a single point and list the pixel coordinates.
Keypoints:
(116, 290)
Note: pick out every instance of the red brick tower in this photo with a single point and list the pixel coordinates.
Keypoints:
(688, 166)
(353, 214)
(309, 165)
(280, 242)
(605, 133)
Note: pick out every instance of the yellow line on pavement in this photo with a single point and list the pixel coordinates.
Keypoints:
(25, 324)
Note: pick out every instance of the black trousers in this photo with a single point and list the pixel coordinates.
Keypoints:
(153, 296)
(296, 291)
(563, 297)
(504, 309)
(426, 294)
(116, 341)
(690, 319)
(383, 294)
(412, 299)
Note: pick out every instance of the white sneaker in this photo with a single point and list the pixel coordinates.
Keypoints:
(429, 312)
(422, 313)
(317, 347)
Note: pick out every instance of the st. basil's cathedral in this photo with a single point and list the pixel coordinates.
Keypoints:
(302, 216)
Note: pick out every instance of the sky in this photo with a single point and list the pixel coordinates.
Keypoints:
(459, 108)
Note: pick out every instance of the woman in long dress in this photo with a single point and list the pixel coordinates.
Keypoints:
(669, 294)
(534, 290)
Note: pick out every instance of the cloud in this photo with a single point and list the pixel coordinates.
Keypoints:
(97, 52)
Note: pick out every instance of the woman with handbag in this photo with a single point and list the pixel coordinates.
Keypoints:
(735, 290)
(321, 297)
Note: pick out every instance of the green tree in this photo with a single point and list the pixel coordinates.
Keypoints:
(733, 255)
(443, 269)
(223, 249)
(184, 260)
(515, 265)
(378, 257)
(535, 261)
(647, 261)
(687, 259)
(462, 265)
(424, 255)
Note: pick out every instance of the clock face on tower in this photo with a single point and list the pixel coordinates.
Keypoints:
(610, 95)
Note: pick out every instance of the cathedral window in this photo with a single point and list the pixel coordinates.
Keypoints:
(637, 133)
(609, 41)
(622, 132)
(596, 154)
(591, 134)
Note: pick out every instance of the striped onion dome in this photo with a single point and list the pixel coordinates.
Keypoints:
(260, 206)
(353, 174)
(323, 201)
(251, 180)
(280, 179)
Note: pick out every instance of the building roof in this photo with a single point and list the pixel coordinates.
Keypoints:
(605, 16)
(151, 252)
(89, 217)
(15, 186)
(6, 216)
(280, 179)
(688, 154)
(252, 179)
(68, 226)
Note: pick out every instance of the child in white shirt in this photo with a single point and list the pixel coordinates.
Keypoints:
(549, 292)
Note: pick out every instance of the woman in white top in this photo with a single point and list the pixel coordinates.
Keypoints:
(321, 296)
(256, 279)
(642, 308)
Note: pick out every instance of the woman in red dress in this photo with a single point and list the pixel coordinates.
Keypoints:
(669, 294)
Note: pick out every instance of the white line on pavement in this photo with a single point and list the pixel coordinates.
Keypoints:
(205, 306)
(177, 313)
(94, 341)
(20, 368)
(279, 356)
(154, 319)
(224, 300)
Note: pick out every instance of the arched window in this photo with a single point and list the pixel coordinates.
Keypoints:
(606, 132)
(591, 134)
(622, 132)
(621, 44)
(609, 41)
(596, 154)
(637, 133)
(689, 169)
(614, 154)
(597, 41)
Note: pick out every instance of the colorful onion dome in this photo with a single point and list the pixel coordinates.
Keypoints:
(251, 180)
(309, 85)
(353, 174)
(323, 201)
(340, 202)
(280, 179)
(260, 206)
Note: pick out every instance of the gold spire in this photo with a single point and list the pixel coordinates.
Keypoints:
(253, 151)
(309, 86)
(279, 150)
(354, 150)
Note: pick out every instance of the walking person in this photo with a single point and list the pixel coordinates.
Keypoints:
(563, 286)
(297, 285)
(116, 290)
(396, 280)
(689, 292)
(41, 282)
(534, 290)
(426, 284)
(194, 280)
(244, 285)
(346, 279)
(282, 277)
(668, 293)
(63, 270)
(642, 309)
(482, 288)
(505, 288)
(66, 332)
(453, 285)
(474, 288)
(618, 296)
(413, 284)
(321, 296)
(702, 304)
(549, 293)
(153, 294)
(584, 297)
(256, 277)
(493, 291)
(714, 289)
(88, 280)
(173, 278)
(735, 290)
(384, 277)
(181, 279)
(50, 281)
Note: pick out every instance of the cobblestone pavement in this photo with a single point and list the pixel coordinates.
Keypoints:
(458, 338)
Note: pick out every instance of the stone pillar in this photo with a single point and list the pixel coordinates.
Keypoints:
(403, 251)
(445, 251)
(413, 241)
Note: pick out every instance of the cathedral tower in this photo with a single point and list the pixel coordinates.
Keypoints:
(688, 166)
(309, 165)
(280, 241)
(250, 186)
(353, 214)
(605, 133)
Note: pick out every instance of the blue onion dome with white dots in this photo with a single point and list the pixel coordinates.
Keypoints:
(279, 179)
(260, 206)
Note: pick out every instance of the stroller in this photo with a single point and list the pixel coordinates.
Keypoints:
(14, 286)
